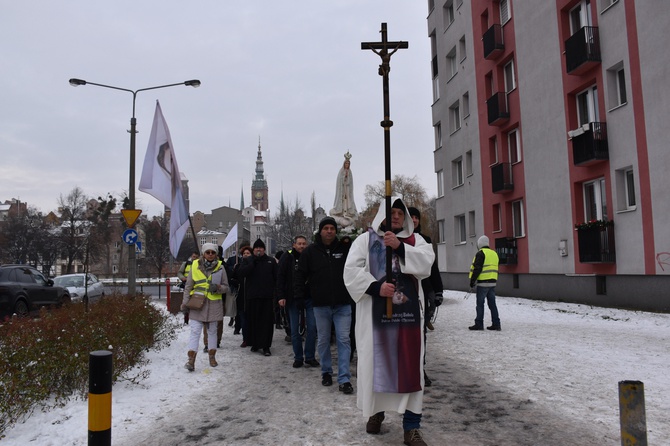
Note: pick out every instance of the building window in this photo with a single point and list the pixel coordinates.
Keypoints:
(459, 227)
(448, 12)
(625, 184)
(468, 163)
(466, 104)
(580, 16)
(587, 106)
(436, 81)
(440, 231)
(505, 13)
(438, 135)
(431, 5)
(471, 224)
(457, 172)
(605, 4)
(510, 81)
(461, 48)
(595, 200)
(454, 117)
(440, 183)
(517, 219)
(452, 65)
(514, 146)
(616, 81)
(493, 151)
(497, 218)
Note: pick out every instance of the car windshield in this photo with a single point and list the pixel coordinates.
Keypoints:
(69, 281)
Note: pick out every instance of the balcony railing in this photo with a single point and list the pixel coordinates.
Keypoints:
(582, 50)
(493, 42)
(589, 145)
(506, 250)
(596, 244)
(496, 106)
(501, 178)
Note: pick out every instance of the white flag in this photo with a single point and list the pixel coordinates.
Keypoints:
(230, 239)
(161, 178)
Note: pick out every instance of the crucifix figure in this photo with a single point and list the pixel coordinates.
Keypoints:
(385, 50)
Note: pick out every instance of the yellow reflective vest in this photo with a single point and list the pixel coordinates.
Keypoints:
(490, 268)
(201, 282)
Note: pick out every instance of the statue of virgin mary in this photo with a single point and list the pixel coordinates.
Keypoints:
(344, 209)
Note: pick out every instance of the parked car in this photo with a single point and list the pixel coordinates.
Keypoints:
(23, 290)
(80, 291)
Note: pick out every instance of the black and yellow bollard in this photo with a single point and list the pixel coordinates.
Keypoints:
(100, 398)
(632, 414)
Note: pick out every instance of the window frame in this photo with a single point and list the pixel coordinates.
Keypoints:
(505, 12)
(595, 199)
(509, 76)
(460, 230)
(518, 226)
(457, 174)
(516, 135)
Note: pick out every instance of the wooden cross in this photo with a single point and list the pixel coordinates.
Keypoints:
(385, 50)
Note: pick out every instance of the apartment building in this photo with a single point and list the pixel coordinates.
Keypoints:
(549, 123)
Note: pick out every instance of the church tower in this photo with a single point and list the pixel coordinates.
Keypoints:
(259, 186)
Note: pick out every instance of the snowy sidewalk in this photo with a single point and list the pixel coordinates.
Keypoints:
(549, 378)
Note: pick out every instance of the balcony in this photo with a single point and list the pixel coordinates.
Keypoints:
(496, 106)
(582, 50)
(501, 178)
(506, 250)
(596, 243)
(493, 42)
(589, 144)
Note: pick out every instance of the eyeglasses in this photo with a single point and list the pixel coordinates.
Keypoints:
(210, 252)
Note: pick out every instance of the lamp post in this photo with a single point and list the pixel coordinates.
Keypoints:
(131, 186)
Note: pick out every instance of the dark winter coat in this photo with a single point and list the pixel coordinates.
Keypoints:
(287, 265)
(320, 274)
(260, 274)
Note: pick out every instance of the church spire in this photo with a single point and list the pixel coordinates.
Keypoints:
(259, 185)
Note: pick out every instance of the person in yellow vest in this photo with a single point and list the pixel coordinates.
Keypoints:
(484, 274)
(207, 276)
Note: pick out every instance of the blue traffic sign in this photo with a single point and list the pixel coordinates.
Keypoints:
(130, 236)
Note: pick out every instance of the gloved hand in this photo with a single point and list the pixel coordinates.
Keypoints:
(438, 300)
(472, 284)
(213, 288)
(300, 304)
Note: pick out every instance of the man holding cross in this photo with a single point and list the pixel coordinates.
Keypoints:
(390, 350)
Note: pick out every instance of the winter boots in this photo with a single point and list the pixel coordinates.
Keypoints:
(190, 364)
(212, 358)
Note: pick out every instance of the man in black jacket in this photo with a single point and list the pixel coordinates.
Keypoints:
(260, 270)
(321, 268)
(287, 264)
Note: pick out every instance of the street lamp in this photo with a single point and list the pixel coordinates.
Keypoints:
(131, 187)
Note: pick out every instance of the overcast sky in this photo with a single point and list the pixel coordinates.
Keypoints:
(292, 73)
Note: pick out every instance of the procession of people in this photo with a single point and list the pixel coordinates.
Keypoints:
(336, 289)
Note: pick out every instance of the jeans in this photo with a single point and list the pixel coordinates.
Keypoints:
(488, 293)
(310, 331)
(340, 316)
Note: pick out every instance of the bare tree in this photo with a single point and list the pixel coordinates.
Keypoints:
(157, 243)
(412, 193)
(74, 225)
(290, 222)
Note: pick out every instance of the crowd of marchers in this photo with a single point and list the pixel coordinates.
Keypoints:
(334, 291)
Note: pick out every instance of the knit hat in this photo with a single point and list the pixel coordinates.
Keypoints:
(259, 244)
(482, 242)
(398, 204)
(209, 247)
(327, 221)
(414, 212)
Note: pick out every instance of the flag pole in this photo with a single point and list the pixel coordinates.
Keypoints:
(382, 50)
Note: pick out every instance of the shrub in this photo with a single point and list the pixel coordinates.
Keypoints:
(44, 361)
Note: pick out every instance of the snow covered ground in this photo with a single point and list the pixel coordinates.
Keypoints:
(549, 378)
